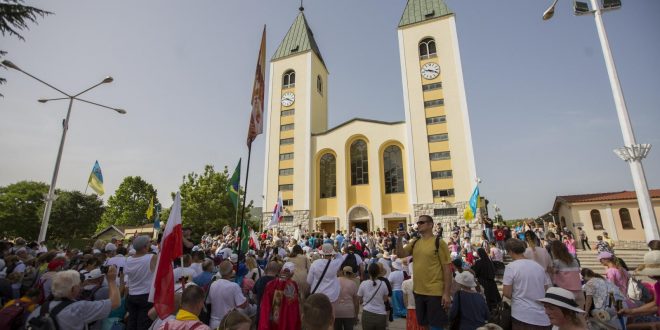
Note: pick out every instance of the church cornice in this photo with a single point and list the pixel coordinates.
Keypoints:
(358, 119)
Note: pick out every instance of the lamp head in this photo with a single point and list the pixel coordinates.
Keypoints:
(548, 13)
(121, 111)
(11, 65)
(42, 100)
(107, 80)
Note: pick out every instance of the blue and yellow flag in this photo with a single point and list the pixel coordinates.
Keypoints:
(234, 185)
(471, 211)
(150, 209)
(96, 179)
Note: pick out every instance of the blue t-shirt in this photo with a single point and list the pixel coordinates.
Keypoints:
(473, 309)
(340, 239)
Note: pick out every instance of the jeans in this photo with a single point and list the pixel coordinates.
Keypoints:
(585, 241)
(137, 307)
(489, 234)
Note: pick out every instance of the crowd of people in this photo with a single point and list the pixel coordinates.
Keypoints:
(431, 276)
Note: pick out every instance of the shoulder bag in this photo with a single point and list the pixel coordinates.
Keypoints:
(322, 274)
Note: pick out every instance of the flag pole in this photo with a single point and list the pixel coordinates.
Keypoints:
(241, 256)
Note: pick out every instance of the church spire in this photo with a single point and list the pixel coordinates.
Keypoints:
(298, 40)
(420, 10)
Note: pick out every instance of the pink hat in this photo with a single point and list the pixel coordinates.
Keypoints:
(605, 255)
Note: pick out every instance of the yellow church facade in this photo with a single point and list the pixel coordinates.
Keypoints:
(368, 173)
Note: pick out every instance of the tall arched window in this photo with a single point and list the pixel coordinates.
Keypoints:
(359, 163)
(327, 175)
(626, 222)
(427, 48)
(596, 222)
(393, 168)
(319, 84)
(289, 79)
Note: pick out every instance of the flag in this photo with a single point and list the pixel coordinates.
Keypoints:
(162, 286)
(96, 179)
(234, 185)
(277, 213)
(254, 241)
(471, 211)
(150, 209)
(157, 218)
(258, 89)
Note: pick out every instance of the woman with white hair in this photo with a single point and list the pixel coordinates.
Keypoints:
(73, 315)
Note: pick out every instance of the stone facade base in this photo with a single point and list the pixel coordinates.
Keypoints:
(291, 221)
(443, 213)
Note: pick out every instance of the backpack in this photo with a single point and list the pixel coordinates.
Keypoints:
(638, 291)
(437, 244)
(46, 320)
(351, 260)
(13, 316)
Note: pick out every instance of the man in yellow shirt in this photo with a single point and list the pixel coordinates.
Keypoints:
(192, 303)
(431, 266)
(608, 239)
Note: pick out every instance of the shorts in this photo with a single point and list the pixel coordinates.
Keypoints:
(429, 311)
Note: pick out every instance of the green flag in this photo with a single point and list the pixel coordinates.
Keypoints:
(245, 238)
(234, 185)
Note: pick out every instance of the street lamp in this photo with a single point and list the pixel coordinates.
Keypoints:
(631, 152)
(65, 127)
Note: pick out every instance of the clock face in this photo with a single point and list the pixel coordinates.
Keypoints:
(288, 98)
(430, 70)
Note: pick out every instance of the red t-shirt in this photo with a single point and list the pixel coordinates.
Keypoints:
(499, 234)
(280, 308)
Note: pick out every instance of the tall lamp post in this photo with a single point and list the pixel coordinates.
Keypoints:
(631, 152)
(65, 127)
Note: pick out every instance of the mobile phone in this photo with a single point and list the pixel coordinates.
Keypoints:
(401, 226)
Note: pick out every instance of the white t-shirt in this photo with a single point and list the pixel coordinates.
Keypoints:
(396, 279)
(407, 288)
(119, 261)
(139, 275)
(367, 290)
(197, 267)
(527, 279)
(330, 283)
(223, 297)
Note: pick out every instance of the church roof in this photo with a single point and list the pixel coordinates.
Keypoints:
(299, 39)
(359, 119)
(420, 10)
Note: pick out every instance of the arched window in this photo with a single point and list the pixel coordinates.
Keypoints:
(393, 169)
(596, 222)
(327, 174)
(427, 48)
(626, 222)
(319, 84)
(289, 79)
(359, 163)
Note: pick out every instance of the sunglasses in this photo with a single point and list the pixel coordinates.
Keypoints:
(422, 222)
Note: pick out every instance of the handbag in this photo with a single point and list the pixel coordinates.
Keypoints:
(456, 322)
(501, 315)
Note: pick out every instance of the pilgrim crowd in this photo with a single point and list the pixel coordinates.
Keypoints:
(432, 276)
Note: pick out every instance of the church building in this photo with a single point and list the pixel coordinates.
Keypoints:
(369, 173)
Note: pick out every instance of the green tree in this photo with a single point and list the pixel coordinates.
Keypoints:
(74, 215)
(205, 203)
(15, 17)
(21, 205)
(128, 206)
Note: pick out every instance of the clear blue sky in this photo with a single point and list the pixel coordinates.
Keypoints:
(542, 115)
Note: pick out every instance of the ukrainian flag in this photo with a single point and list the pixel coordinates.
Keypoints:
(471, 211)
(96, 179)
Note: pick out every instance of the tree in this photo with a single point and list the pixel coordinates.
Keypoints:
(205, 203)
(74, 215)
(14, 17)
(21, 205)
(128, 206)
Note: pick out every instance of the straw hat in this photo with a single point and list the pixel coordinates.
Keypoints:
(348, 270)
(651, 265)
(561, 298)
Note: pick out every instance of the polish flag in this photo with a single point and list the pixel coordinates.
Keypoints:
(171, 247)
(254, 241)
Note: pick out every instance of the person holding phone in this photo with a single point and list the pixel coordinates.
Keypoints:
(432, 270)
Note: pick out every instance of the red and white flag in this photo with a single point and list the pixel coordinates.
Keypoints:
(254, 241)
(171, 247)
(277, 213)
(258, 89)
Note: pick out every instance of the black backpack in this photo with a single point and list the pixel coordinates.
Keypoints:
(351, 260)
(47, 320)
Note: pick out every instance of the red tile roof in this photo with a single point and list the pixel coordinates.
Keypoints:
(609, 196)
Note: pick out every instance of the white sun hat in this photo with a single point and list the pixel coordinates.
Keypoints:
(561, 298)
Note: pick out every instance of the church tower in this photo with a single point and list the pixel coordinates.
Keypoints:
(439, 143)
(297, 108)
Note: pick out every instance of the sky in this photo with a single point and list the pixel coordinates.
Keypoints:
(541, 110)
